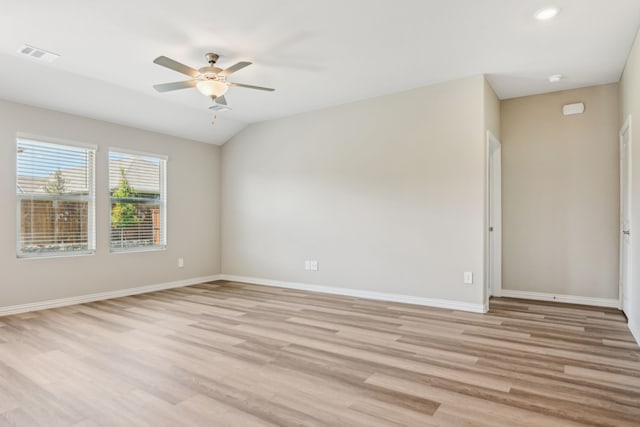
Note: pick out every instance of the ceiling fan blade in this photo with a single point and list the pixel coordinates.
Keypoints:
(221, 100)
(251, 86)
(166, 87)
(234, 68)
(176, 66)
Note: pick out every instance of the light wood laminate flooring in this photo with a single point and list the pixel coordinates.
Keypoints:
(232, 354)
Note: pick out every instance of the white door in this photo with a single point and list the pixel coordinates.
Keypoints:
(494, 202)
(625, 215)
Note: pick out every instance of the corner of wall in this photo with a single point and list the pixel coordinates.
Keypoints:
(629, 105)
(491, 109)
(219, 210)
(491, 117)
(634, 327)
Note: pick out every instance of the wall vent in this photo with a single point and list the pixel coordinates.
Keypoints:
(570, 109)
(37, 54)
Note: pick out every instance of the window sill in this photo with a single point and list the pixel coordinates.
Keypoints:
(137, 250)
(55, 255)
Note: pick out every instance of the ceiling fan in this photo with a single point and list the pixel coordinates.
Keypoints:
(211, 81)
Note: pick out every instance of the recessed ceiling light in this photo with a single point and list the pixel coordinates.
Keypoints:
(546, 13)
(555, 78)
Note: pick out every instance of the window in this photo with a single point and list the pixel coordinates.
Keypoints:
(55, 195)
(138, 201)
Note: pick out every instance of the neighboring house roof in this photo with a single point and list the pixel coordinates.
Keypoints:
(142, 175)
(31, 184)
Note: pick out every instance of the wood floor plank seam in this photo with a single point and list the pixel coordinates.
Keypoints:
(226, 353)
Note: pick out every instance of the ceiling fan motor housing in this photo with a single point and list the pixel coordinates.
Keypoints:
(209, 72)
(212, 58)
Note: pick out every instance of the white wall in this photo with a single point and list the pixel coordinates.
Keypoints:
(192, 211)
(387, 193)
(630, 105)
(560, 194)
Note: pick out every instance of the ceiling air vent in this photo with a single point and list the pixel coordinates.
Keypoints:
(37, 54)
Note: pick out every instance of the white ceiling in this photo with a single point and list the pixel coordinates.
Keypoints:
(315, 53)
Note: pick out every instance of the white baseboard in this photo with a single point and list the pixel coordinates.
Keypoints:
(23, 308)
(571, 299)
(381, 296)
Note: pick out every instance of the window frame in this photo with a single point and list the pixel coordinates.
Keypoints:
(164, 160)
(90, 198)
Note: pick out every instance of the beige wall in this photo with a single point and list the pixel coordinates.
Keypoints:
(560, 193)
(387, 193)
(193, 212)
(630, 105)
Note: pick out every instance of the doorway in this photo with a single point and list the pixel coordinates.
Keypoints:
(625, 216)
(494, 204)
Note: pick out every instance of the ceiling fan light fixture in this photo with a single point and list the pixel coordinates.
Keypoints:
(211, 88)
(546, 13)
(210, 81)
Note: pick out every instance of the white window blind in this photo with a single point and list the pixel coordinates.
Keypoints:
(138, 201)
(55, 199)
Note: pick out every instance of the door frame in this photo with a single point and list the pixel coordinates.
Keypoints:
(625, 157)
(493, 201)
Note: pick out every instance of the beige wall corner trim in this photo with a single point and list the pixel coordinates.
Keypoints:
(570, 299)
(357, 293)
(43, 305)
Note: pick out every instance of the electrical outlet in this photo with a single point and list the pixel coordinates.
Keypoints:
(468, 277)
(180, 262)
(311, 265)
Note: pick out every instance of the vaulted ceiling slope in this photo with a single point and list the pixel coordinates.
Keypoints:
(315, 53)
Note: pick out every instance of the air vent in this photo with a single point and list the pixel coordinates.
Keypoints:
(570, 109)
(37, 54)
